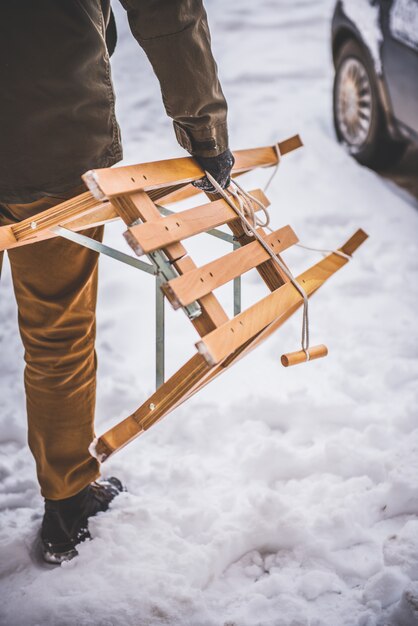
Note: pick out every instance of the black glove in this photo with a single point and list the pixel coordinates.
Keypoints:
(219, 167)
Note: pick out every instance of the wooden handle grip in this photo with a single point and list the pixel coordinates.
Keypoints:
(294, 358)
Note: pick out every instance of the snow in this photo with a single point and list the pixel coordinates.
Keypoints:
(275, 497)
(365, 15)
(93, 451)
(405, 612)
(404, 22)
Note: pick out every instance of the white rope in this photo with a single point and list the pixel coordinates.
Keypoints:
(245, 202)
(249, 220)
(324, 251)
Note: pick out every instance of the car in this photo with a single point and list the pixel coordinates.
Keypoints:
(375, 94)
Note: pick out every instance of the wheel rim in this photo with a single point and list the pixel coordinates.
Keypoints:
(353, 102)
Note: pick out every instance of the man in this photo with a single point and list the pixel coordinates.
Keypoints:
(57, 121)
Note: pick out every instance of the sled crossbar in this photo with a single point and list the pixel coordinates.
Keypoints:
(109, 182)
(159, 236)
(153, 235)
(198, 282)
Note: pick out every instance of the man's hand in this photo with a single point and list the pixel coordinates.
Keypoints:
(219, 167)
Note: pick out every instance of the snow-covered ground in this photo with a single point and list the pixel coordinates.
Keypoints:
(275, 497)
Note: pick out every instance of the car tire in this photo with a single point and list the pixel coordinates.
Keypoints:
(359, 119)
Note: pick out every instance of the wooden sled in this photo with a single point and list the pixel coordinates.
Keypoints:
(131, 193)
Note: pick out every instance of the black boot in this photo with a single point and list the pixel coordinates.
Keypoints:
(65, 521)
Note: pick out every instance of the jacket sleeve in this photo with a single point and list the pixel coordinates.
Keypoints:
(175, 36)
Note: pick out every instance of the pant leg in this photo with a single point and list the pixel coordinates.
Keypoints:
(55, 284)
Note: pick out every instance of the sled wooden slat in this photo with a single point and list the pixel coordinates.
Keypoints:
(354, 242)
(58, 214)
(185, 191)
(152, 235)
(155, 407)
(269, 271)
(176, 193)
(189, 287)
(102, 213)
(83, 211)
(223, 341)
(109, 182)
(140, 205)
(35, 228)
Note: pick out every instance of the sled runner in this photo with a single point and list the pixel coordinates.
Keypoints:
(131, 193)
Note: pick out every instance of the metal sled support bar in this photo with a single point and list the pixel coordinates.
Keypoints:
(97, 246)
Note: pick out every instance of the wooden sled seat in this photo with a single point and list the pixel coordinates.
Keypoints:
(130, 193)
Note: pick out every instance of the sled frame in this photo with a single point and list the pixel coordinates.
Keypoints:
(85, 211)
(131, 193)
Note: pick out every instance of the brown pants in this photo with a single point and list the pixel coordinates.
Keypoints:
(55, 284)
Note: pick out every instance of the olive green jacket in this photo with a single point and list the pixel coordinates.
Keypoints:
(57, 117)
